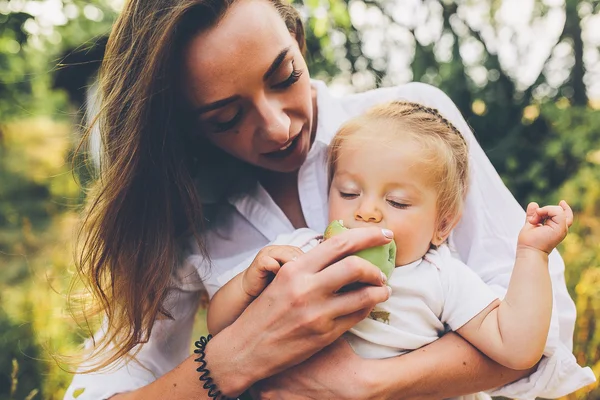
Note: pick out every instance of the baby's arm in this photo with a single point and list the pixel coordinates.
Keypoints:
(513, 332)
(232, 299)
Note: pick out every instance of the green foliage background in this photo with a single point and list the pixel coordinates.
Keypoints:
(543, 138)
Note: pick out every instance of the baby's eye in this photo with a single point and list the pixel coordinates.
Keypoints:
(396, 204)
(345, 195)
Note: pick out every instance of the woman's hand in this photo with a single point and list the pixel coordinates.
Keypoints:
(302, 310)
(336, 372)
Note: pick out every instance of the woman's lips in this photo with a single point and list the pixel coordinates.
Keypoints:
(285, 147)
(285, 150)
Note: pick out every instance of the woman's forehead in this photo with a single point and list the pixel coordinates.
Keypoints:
(234, 53)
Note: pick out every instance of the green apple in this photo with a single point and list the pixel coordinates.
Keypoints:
(384, 257)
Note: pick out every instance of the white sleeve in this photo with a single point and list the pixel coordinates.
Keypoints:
(486, 240)
(465, 294)
(169, 344)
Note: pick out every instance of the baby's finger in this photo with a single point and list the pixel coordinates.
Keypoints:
(283, 254)
(266, 263)
(568, 212)
(552, 214)
(532, 217)
(273, 266)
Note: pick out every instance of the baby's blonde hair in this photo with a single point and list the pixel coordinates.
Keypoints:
(397, 120)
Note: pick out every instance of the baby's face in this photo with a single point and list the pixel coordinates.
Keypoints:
(375, 184)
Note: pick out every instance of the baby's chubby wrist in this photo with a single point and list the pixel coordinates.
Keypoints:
(525, 251)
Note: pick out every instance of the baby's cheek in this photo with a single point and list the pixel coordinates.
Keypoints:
(411, 246)
(336, 209)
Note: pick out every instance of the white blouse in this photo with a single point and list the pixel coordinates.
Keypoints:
(485, 240)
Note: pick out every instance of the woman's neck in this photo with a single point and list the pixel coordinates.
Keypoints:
(283, 189)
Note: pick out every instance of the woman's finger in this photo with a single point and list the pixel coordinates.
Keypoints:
(342, 245)
(349, 304)
(345, 322)
(351, 269)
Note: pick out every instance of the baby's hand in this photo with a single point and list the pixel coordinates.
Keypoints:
(546, 227)
(266, 264)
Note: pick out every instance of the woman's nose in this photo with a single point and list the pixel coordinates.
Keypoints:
(274, 125)
(368, 212)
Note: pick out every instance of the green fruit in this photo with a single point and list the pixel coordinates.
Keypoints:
(384, 257)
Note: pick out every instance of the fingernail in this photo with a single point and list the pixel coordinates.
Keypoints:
(387, 233)
(383, 277)
(389, 290)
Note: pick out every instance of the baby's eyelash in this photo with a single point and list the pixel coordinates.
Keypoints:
(395, 204)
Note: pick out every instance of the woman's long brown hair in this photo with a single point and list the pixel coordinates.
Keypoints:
(145, 200)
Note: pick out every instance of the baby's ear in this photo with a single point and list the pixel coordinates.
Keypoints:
(445, 226)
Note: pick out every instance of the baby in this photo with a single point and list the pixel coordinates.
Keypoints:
(404, 167)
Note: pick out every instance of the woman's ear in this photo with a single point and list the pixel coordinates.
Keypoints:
(445, 226)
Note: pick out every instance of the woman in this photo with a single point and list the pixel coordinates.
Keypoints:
(212, 130)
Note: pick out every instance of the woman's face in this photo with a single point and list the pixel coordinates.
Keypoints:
(248, 84)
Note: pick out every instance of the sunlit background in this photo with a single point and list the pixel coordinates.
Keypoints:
(525, 74)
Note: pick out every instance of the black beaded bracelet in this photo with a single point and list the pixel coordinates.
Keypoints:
(209, 384)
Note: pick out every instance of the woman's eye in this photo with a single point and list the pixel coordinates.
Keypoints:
(344, 195)
(396, 204)
(227, 125)
(293, 78)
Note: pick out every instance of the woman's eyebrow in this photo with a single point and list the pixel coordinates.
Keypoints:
(276, 63)
(222, 103)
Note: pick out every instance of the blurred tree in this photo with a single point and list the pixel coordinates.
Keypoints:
(17, 342)
(15, 89)
(36, 189)
(33, 40)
